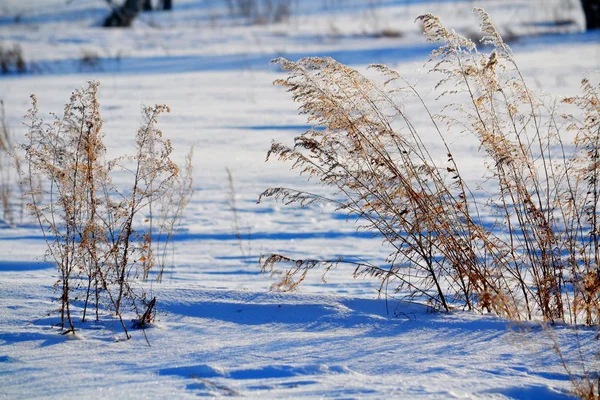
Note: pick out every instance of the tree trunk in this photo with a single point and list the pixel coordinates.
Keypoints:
(591, 8)
(167, 4)
(123, 16)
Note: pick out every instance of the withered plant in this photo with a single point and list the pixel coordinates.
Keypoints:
(538, 257)
(100, 236)
(10, 176)
(236, 228)
(261, 11)
(165, 214)
(11, 59)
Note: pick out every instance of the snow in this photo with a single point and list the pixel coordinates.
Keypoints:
(220, 331)
(254, 343)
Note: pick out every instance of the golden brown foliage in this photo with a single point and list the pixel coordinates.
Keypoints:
(537, 260)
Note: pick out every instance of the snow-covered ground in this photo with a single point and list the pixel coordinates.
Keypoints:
(220, 331)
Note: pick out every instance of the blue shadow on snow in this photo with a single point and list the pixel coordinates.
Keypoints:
(186, 236)
(235, 62)
(228, 62)
(14, 266)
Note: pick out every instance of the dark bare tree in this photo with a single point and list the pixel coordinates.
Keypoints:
(591, 8)
(122, 16)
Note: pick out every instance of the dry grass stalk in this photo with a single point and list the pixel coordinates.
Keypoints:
(91, 228)
(11, 190)
(236, 228)
(538, 260)
(169, 211)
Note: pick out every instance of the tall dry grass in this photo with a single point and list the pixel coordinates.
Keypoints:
(537, 260)
(104, 240)
(529, 250)
(11, 189)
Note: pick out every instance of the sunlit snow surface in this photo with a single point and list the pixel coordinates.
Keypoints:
(220, 331)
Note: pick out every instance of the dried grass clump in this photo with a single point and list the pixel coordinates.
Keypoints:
(90, 60)
(102, 239)
(539, 258)
(12, 60)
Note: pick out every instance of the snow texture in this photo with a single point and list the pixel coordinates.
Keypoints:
(220, 331)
